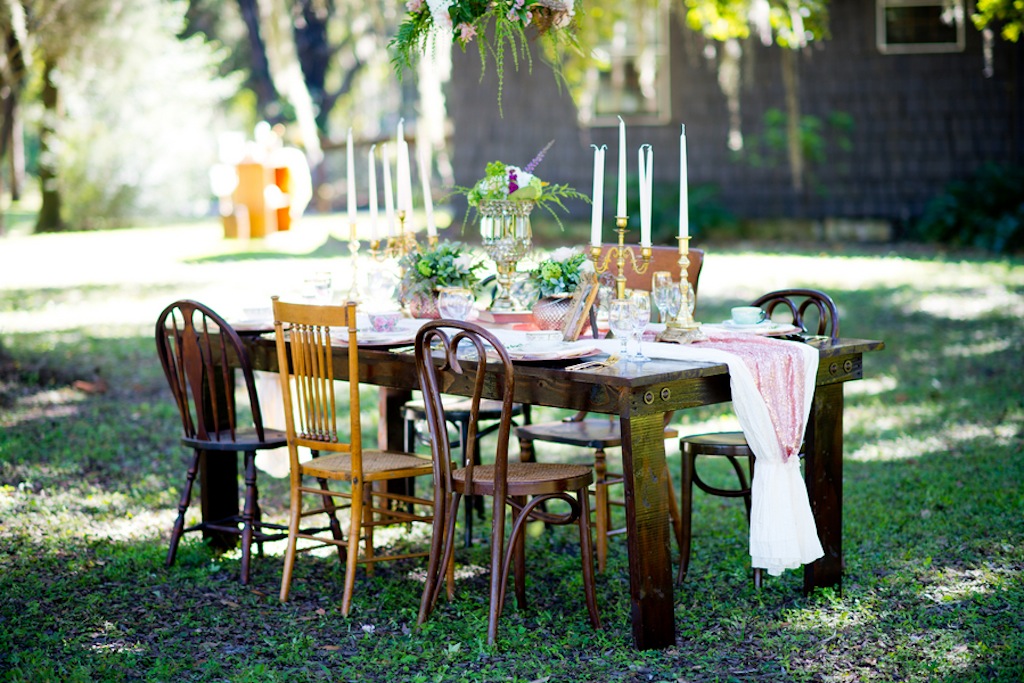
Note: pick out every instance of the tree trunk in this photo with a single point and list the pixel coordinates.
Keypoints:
(791, 84)
(49, 219)
(260, 80)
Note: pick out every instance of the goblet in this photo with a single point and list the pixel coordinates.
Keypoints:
(661, 283)
(455, 303)
(641, 302)
(622, 321)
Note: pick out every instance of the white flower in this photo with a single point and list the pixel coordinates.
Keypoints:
(587, 266)
(563, 254)
(463, 262)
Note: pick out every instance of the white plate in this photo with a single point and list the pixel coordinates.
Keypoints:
(765, 328)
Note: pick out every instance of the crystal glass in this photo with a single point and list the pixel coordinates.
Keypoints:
(455, 303)
(641, 302)
(673, 302)
(316, 289)
(622, 321)
(661, 283)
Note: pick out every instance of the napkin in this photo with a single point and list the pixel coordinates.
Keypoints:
(782, 531)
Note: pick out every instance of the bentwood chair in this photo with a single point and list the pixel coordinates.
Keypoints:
(516, 487)
(306, 336)
(603, 433)
(200, 352)
(808, 309)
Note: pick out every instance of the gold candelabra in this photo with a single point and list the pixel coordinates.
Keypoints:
(621, 255)
(353, 250)
(398, 245)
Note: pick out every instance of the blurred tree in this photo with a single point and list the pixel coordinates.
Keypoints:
(1006, 15)
(127, 111)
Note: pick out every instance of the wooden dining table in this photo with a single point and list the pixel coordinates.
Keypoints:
(640, 394)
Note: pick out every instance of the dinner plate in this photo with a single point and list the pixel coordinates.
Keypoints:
(548, 352)
(766, 328)
(403, 334)
(253, 326)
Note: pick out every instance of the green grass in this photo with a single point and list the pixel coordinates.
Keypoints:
(933, 523)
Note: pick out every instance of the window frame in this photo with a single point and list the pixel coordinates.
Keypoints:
(887, 48)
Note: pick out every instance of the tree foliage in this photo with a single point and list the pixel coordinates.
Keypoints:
(1006, 15)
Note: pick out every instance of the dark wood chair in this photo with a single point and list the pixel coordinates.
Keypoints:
(306, 366)
(603, 433)
(519, 487)
(808, 309)
(200, 354)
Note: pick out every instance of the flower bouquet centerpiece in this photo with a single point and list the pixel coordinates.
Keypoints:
(503, 200)
(446, 264)
(498, 25)
(556, 278)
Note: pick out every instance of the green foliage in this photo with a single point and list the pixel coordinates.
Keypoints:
(767, 149)
(1006, 15)
(985, 211)
(448, 264)
(561, 272)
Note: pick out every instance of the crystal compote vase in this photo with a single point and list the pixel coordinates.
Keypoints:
(507, 237)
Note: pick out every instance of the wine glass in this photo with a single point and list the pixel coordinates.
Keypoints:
(622, 321)
(316, 288)
(673, 302)
(661, 283)
(641, 302)
(455, 303)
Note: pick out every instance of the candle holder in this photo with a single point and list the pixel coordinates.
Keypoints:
(683, 329)
(353, 250)
(622, 255)
(397, 246)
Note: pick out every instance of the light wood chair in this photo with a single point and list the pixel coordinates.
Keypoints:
(801, 307)
(200, 354)
(306, 336)
(446, 353)
(603, 433)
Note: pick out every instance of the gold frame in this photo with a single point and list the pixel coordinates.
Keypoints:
(579, 308)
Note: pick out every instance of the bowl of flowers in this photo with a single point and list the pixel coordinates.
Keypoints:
(555, 279)
(424, 272)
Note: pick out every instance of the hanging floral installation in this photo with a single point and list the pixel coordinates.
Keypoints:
(498, 27)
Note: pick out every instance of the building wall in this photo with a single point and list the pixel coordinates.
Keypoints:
(918, 121)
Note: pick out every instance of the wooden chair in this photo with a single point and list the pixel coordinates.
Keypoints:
(518, 486)
(802, 307)
(604, 433)
(305, 360)
(200, 352)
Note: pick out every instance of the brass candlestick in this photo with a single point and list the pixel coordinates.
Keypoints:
(353, 250)
(622, 254)
(683, 328)
(396, 246)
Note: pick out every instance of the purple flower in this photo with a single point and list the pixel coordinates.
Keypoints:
(512, 184)
(537, 159)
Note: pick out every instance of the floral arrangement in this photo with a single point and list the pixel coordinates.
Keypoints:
(447, 264)
(504, 181)
(561, 272)
(504, 21)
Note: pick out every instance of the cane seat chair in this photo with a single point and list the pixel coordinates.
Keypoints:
(516, 487)
(305, 337)
(200, 354)
(603, 433)
(813, 312)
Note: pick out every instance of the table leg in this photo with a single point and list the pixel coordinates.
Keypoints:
(823, 472)
(391, 432)
(647, 521)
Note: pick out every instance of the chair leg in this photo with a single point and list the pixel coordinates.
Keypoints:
(354, 539)
(248, 513)
(685, 515)
(294, 518)
(519, 556)
(603, 507)
(587, 557)
(497, 569)
(758, 578)
(186, 497)
(470, 501)
(368, 525)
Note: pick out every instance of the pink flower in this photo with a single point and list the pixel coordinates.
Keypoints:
(466, 32)
(414, 6)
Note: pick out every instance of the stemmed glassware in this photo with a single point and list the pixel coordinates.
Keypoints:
(622, 321)
(641, 302)
(455, 303)
(661, 286)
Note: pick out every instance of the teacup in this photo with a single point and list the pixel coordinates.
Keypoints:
(747, 315)
(384, 321)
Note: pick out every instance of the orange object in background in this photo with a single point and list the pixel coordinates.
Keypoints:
(253, 179)
(283, 181)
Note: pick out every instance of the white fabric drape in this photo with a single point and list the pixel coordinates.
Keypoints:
(782, 531)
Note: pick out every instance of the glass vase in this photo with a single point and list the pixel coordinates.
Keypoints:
(507, 238)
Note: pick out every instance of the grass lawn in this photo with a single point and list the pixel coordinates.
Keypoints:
(91, 467)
